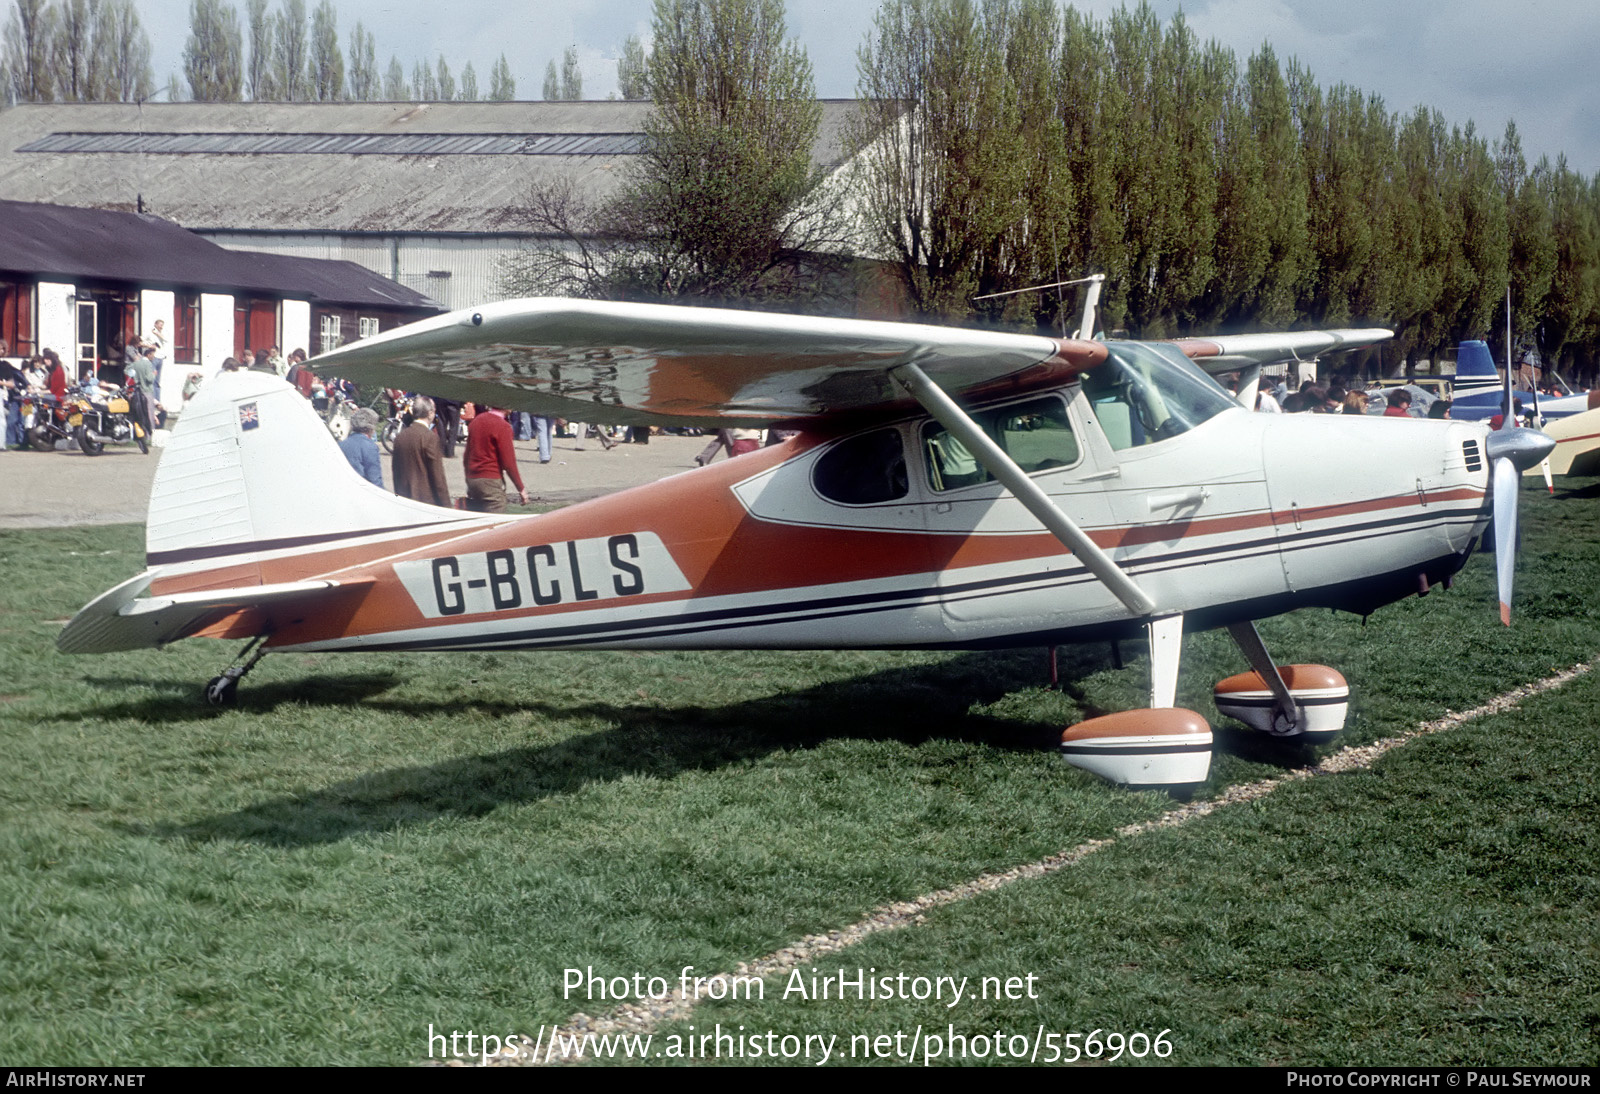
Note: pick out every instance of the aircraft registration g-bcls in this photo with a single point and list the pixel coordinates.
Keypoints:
(949, 488)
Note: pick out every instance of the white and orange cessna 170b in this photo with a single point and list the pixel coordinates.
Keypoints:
(948, 489)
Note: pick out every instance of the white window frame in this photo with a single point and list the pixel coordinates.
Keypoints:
(330, 333)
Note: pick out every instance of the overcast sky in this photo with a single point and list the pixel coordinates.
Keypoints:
(1480, 60)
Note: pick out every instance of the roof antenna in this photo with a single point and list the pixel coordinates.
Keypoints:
(1091, 299)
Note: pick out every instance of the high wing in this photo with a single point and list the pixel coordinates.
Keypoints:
(1228, 352)
(654, 364)
(658, 364)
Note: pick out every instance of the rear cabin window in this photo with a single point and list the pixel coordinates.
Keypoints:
(1036, 435)
(863, 470)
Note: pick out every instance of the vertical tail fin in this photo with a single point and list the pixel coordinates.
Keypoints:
(251, 467)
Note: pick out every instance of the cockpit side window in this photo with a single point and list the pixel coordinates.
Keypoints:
(863, 470)
(1037, 435)
(1148, 392)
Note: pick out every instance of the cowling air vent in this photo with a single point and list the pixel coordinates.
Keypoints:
(1469, 452)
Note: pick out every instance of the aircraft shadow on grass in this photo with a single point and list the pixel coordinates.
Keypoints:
(913, 705)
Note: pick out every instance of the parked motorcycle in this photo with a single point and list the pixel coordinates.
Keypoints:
(334, 402)
(399, 411)
(113, 419)
(51, 422)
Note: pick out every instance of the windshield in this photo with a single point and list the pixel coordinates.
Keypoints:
(1149, 391)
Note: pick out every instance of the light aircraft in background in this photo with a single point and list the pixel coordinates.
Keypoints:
(1479, 387)
(949, 488)
(1571, 420)
(1577, 450)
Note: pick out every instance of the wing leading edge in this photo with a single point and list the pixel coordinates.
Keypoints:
(656, 364)
(1228, 352)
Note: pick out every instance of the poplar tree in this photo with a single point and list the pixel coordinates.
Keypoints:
(1088, 104)
(424, 84)
(71, 50)
(1029, 251)
(571, 75)
(1422, 236)
(941, 175)
(469, 85)
(131, 78)
(719, 193)
(293, 78)
(212, 58)
(1192, 83)
(261, 73)
(1476, 290)
(326, 70)
(1287, 256)
(363, 69)
(1532, 241)
(445, 82)
(632, 66)
(502, 88)
(1569, 318)
(395, 88)
(30, 30)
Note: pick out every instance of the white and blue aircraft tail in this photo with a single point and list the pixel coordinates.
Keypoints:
(1479, 390)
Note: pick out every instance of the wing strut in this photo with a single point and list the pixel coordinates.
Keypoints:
(1013, 478)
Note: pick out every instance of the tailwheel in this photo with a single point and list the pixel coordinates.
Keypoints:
(223, 691)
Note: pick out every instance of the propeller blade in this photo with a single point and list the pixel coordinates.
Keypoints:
(1511, 451)
(1506, 482)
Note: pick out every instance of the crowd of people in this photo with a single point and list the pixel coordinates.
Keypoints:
(1274, 397)
(427, 438)
(43, 381)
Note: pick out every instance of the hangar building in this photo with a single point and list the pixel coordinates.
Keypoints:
(426, 194)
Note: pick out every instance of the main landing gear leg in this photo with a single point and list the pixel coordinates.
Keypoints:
(1166, 650)
(1304, 701)
(223, 691)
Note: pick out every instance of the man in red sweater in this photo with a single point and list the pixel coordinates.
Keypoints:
(489, 453)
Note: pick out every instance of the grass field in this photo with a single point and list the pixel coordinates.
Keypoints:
(370, 844)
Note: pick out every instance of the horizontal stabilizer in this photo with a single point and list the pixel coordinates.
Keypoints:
(124, 619)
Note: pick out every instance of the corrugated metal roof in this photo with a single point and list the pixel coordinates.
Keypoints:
(343, 144)
(331, 191)
(59, 241)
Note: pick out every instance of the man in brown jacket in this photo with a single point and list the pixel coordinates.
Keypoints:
(418, 468)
